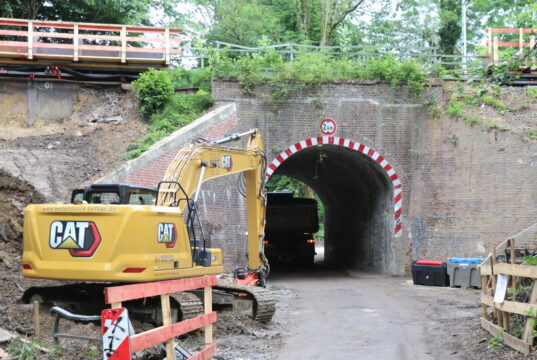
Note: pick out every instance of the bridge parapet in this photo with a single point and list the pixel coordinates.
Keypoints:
(31, 40)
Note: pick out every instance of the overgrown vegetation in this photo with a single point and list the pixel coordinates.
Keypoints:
(309, 70)
(166, 111)
(31, 350)
(154, 89)
(479, 94)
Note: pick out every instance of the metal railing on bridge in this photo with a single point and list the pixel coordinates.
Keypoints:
(29, 40)
(427, 55)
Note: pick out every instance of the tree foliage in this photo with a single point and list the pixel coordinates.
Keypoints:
(98, 11)
(450, 25)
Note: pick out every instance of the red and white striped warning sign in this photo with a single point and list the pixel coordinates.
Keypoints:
(116, 341)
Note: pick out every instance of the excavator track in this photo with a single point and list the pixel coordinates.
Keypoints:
(88, 299)
(264, 301)
(189, 304)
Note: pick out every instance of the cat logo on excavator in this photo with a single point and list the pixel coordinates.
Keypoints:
(81, 238)
(167, 234)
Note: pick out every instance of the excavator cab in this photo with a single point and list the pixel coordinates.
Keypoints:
(114, 194)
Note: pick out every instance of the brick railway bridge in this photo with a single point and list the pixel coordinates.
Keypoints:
(395, 183)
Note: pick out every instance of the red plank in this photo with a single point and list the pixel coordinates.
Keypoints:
(512, 43)
(205, 354)
(136, 291)
(13, 43)
(87, 26)
(505, 31)
(14, 32)
(164, 333)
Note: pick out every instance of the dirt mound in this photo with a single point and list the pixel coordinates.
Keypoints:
(15, 194)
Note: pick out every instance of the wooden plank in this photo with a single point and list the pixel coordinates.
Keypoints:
(530, 322)
(161, 334)
(137, 291)
(532, 45)
(30, 35)
(75, 43)
(14, 32)
(484, 284)
(167, 321)
(485, 270)
(505, 31)
(508, 339)
(489, 43)
(513, 259)
(205, 354)
(208, 308)
(86, 26)
(509, 306)
(495, 311)
(37, 318)
(167, 46)
(124, 46)
(495, 50)
(115, 305)
(520, 43)
(516, 270)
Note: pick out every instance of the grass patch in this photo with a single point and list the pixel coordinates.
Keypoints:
(455, 107)
(495, 103)
(472, 119)
(532, 92)
(532, 133)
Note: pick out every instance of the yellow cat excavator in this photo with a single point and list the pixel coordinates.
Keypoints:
(114, 241)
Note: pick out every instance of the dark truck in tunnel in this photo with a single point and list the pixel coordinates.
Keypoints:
(291, 223)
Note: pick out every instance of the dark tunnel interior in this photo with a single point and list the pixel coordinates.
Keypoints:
(357, 196)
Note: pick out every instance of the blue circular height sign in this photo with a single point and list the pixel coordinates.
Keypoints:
(328, 127)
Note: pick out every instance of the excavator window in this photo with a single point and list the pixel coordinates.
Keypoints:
(141, 198)
(103, 198)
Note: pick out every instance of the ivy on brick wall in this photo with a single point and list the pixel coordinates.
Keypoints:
(167, 111)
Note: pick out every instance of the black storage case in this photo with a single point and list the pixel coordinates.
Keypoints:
(430, 275)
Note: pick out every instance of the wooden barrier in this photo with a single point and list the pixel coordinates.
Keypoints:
(166, 333)
(526, 39)
(504, 318)
(78, 42)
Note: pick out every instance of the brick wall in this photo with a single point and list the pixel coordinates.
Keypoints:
(460, 197)
(464, 188)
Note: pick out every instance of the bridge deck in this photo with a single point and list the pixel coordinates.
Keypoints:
(65, 43)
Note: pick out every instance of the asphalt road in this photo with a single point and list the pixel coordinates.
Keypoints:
(351, 315)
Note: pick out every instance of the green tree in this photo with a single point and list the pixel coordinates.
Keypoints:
(135, 12)
(247, 22)
(450, 25)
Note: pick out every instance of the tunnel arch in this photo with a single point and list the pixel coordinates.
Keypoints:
(354, 145)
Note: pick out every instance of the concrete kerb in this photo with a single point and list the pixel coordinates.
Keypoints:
(172, 142)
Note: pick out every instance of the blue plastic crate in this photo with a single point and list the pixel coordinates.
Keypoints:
(463, 260)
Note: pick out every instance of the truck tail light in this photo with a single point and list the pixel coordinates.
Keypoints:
(310, 241)
(27, 267)
(133, 270)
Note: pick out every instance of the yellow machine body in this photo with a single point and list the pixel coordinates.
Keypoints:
(138, 243)
(130, 243)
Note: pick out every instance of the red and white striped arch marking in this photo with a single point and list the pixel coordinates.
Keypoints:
(379, 159)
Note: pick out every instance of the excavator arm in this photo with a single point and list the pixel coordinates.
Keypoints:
(205, 160)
